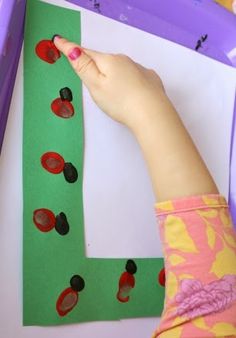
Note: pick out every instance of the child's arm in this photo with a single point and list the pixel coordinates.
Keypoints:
(196, 230)
(135, 96)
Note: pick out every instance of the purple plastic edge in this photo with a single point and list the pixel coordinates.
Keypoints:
(11, 46)
(182, 26)
(5, 14)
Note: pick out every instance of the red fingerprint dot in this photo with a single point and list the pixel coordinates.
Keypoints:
(66, 301)
(47, 51)
(126, 284)
(62, 108)
(53, 162)
(162, 277)
(44, 219)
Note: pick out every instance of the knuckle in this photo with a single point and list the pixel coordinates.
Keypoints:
(109, 58)
(124, 57)
(121, 55)
(82, 66)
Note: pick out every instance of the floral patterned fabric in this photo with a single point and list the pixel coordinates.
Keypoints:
(229, 4)
(199, 245)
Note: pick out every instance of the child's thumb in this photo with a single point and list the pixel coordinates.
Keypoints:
(81, 62)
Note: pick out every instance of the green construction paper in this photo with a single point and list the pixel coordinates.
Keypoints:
(50, 260)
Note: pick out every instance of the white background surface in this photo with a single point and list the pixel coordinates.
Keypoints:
(116, 184)
(205, 93)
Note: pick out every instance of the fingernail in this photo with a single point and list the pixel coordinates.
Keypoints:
(56, 36)
(74, 54)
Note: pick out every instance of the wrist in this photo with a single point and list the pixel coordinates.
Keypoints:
(146, 118)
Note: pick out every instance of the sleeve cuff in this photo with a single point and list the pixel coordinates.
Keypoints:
(191, 203)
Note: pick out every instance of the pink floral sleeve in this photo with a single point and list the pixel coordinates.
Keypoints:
(199, 245)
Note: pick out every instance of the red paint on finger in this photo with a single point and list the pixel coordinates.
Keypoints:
(74, 54)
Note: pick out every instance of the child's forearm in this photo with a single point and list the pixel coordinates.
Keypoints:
(134, 96)
(175, 166)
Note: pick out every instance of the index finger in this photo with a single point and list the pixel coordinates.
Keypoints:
(82, 63)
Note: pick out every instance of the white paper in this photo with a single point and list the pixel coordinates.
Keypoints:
(118, 197)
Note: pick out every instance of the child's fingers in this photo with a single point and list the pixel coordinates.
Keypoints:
(82, 63)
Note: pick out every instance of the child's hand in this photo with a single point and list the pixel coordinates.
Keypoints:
(123, 89)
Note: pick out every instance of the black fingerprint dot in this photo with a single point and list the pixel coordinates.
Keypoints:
(131, 267)
(66, 94)
(62, 225)
(70, 172)
(77, 283)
